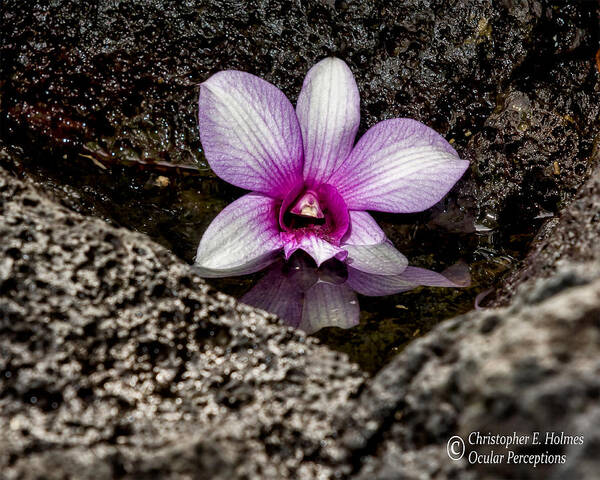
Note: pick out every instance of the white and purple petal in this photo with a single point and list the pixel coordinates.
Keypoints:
(328, 110)
(378, 259)
(363, 230)
(399, 166)
(412, 277)
(320, 250)
(244, 238)
(250, 133)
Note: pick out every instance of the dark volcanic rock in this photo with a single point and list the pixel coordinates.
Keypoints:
(510, 83)
(570, 238)
(117, 361)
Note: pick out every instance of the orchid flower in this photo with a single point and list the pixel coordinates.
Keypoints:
(310, 185)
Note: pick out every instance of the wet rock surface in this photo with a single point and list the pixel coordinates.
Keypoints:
(102, 113)
(570, 238)
(512, 84)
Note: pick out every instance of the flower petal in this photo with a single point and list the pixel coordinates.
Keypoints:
(250, 133)
(328, 110)
(412, 277)
(242, 239)
(421, 276)
(319, 249)
(328, 305)
(379, 259)
(278, 292)
(363, 230)
(398, 166)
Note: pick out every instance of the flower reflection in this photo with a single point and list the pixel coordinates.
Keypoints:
(310, 298)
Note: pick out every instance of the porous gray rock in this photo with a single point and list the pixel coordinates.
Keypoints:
(117, 361)
(530, 367)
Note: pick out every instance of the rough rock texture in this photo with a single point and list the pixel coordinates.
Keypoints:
(117, 361)
(512, 84)
(570, 238)
(531, 367)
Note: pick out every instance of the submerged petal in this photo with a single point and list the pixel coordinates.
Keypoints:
(363, 230)
(454, 276)
(329, 305)
(278, 292)
(304, 296)
(399, 166)
(250, 133)
(319, 249)
(459, 274)
(242, 239)
(379, 259)
(412, 277)
(328, 110)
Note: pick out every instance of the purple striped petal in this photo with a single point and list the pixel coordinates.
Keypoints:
(319, 249)
(379, 259)
(244, 238)
(412, 277)
(328, 305)
(250, 133)
(328, 110)
(363, 230)
(278, 293)
(398, 166)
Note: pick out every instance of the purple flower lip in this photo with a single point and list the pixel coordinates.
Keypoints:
(308, 206)
(310, 184)
(320, 212)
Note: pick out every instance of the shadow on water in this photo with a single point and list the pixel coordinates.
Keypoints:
(174, 208)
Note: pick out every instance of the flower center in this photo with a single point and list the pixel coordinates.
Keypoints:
(320, 211)
(307, 206)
